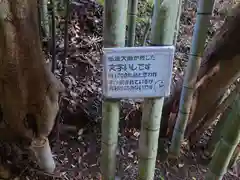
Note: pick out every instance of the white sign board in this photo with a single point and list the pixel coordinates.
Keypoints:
(137, 72)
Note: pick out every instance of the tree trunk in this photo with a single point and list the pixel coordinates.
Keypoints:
(221, 67)
(28, 90)
(213, 112)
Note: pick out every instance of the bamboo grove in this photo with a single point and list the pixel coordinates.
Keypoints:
(164, 32)
(208, 91)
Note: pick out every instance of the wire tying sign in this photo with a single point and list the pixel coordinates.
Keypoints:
(137, 72)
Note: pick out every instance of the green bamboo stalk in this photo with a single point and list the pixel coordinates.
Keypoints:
(115, 17)
(163, 23)
(216, 135)
(204, 12)
(132, 15)
(178, 21)
(227, 145)
(163, 28)
(225, 109)
(44, 16)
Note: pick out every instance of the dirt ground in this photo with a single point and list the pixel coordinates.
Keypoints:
(77, 149)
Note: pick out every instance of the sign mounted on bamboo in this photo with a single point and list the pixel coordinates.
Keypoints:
(137, 72)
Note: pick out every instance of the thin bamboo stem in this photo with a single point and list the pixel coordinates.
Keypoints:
(53, 36)
(178, 21)
(65, 38)
(132, 15)
(204, 12)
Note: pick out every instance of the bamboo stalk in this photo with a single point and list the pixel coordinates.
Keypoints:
(67, 4)
(216, 135)
(148, 142)
(44, 17)
(215, 68)
(178, 21)
(53, 37)
(109, 138)
(115, 17)
(227, 145)
(163, 28)
(132, 15)
(204, 12)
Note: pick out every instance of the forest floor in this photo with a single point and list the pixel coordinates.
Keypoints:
(77, 150)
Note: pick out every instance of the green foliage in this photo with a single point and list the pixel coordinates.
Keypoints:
(101, 2)
(161, 178)
(150, 2)
(145, 9)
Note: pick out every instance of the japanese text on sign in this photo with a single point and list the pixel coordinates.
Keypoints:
(137, 72)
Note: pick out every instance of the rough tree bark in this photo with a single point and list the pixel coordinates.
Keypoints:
(216, 109)
(28, 90)
(220, 67)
